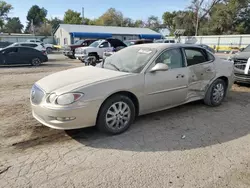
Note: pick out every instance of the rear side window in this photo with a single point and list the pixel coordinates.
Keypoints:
(195, 56)
(28, 50)
(105, 44)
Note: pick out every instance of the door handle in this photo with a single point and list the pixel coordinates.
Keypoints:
(180, 75)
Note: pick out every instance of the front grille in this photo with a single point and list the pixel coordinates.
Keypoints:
(240, 63)
(79, 51)
(36, 95)
(242, 75)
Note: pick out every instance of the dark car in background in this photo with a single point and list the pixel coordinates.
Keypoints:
(22, 55)
(139, 41)
(240, 60)
(69, 50)
(207, 48)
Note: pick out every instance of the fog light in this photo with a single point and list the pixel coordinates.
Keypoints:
(65, 118)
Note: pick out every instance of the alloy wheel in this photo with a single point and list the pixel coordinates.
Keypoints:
(118, 115)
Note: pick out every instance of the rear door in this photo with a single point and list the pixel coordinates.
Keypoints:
(201, 69)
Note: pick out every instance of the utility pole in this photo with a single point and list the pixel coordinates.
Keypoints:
(197, 23)
(83, 15)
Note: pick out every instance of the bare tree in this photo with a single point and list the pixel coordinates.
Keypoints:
(202, 8)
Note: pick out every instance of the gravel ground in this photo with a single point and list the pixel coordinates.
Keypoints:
(188, 146)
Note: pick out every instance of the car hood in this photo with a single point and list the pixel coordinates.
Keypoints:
(242, 55)
(84, 48)
(71, 79)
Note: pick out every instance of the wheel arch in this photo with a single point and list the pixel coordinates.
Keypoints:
(129, 94)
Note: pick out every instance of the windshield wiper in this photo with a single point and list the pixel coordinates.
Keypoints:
(115, 66)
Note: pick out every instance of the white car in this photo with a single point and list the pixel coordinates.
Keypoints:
(37, 46)
(97, 49)
(48, 47)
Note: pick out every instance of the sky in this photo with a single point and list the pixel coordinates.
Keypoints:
(135, 9)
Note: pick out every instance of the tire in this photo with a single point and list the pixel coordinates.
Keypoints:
(49, 50)
(120, 119)
(211, 99)
(36, 61)
(71, 56)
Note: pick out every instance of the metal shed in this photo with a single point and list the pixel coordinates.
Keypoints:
(69, 33)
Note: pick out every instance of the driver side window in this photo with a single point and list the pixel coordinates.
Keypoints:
(104, 45)
(173, 58)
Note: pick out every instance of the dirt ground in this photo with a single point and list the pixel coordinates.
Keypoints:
(188, 146)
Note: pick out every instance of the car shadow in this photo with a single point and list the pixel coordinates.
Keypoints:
(186, 127)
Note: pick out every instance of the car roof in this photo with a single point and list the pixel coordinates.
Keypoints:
(162, 46)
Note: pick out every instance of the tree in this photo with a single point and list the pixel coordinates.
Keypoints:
(153, 23)
(139, 23)
(5, 8)
(72, 17)
(201, 8)
(168, 21)
(13, 25)
(128, 22)
(54, 22)
(37, 16)
(45, 29)
(111, 17)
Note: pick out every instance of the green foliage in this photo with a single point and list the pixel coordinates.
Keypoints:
(37, 14)
(5, 8)
(72, 17)
(219, 17)
(54, 22)
(13, 25)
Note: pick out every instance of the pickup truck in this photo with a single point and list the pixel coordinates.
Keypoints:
(69, 50)
(97, 49)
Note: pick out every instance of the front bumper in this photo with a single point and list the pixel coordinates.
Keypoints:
(84, 116)
(68, 53)
(242, 78)
(81, 56)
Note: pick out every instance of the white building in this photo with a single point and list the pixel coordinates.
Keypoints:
(68, 33)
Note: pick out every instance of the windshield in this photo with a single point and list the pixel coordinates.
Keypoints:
(79, 42)
(131, 59)
(95, 44)
(247, 49)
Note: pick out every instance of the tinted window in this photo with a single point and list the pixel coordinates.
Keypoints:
(28, 50)
(105, 45)
(195, 56)
(173, 58)
(10, 50)
(210, 56)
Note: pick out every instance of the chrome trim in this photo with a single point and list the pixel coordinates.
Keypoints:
(168, 90)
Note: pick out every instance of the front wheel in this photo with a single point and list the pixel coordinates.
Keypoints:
(116, 115)
(216, 93)
(36, 61)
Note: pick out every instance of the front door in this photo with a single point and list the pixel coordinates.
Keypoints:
(11, 56)
(201, 71)
(164, 89)
(104, 47)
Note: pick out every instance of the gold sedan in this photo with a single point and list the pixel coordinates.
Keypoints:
(134, 81)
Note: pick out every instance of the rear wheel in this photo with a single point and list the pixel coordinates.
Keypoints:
(216, 93)
(36, 61)
(116, 115)
(49, 50)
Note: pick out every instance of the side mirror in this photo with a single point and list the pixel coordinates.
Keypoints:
(241, 49)
(159, 67)
(101, 46)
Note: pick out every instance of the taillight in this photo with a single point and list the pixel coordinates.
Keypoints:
(44, 52)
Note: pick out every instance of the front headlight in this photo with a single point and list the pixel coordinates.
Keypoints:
(68, 98)
(64, 99)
